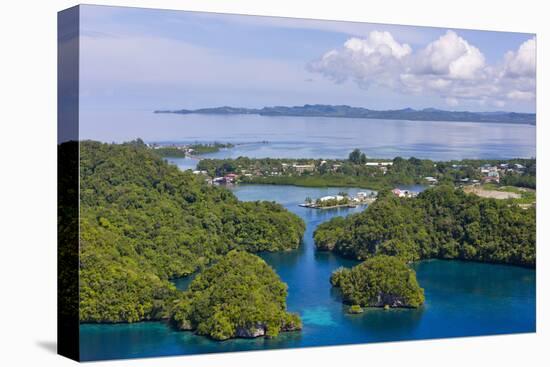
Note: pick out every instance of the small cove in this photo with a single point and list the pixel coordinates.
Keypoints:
(462, 299)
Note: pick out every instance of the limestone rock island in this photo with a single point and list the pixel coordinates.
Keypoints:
(240, 296)
(380, 281)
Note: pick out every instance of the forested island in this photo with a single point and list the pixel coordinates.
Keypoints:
(343, 111)
(442, 222)
(380, 281)
(376, 174)
(239, 296)
(187, 150)
(143, 222)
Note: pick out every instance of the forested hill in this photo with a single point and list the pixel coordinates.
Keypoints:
(442, 222)
(239, 296)
(320, 110)
(143, 222)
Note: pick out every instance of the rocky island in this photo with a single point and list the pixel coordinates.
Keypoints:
(238, 297)
(380, 281)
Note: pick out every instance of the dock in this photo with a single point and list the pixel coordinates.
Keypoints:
(339, 201)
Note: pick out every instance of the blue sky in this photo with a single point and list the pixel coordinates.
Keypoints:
(156, 59)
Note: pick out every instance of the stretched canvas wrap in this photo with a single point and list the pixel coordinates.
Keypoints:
(234, 182)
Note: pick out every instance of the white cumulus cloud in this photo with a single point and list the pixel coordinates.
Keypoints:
(522, 63)
(450, 56)
(378, 43)
(449, 67)
(375, 59)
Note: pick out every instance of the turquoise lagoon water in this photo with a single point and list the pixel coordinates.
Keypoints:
(462, 299)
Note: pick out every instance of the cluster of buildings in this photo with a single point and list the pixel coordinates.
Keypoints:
(382, 166)
(340, 200)
(493, 174)
(227, 179)
(404, 193)
(301, 168)
(431, 180)
(230, 178)
(331, 197)
(487, 173)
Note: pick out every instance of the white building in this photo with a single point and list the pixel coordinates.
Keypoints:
(378, 164)
(330, 197)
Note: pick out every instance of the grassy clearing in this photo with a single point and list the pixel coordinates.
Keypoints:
(518, 195)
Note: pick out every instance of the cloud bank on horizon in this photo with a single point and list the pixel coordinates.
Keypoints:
(161, 59)
(449, 67)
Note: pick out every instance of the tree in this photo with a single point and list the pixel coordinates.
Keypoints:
(355, 156)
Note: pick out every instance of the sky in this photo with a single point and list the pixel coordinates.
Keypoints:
(161, 59)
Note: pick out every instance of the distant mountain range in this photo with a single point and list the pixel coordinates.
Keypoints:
(319, 110)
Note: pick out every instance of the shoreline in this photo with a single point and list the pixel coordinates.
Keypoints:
(415, 262)
(351, 206)
(357, 117)
(328, 185)
(370, 159)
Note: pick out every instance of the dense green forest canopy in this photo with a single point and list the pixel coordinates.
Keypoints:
(67, 234)
(380, 281)
(442, 222)
(239, 296)
(172, 152)
(144, 221)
